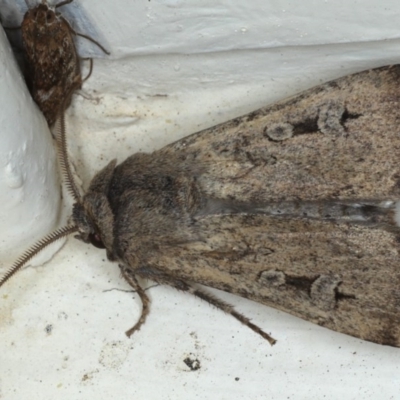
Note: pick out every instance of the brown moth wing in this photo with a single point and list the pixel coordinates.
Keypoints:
(53, 62)
(339, 140)
(343, 277)
(200, 209)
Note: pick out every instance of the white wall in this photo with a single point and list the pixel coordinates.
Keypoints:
(29, 186)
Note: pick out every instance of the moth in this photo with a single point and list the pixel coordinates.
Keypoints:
(53, 64)
(295, 205)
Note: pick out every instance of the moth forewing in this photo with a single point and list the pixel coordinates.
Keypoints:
(293, 206)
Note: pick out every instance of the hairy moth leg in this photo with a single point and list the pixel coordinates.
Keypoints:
(131, 279)
(229, 309)
(208, 297)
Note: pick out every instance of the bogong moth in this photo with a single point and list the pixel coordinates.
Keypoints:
(295, 206)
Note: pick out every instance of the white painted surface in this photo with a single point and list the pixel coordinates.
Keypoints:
(178, 67)
(29, 187)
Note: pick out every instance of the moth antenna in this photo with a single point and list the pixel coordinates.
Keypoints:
(64, 159)
(37, 248)
(91, 40)
(61, 3)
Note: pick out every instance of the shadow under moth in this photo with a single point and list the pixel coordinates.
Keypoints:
(52, 61)
(295, 206)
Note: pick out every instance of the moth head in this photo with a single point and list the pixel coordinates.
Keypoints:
(88, 232)
(92, 213)
(42, 14)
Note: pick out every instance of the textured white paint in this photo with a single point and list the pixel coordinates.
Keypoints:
(177, 67)
(29, 188)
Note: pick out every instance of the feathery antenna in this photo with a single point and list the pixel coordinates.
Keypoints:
(64, 159)
(36, 248)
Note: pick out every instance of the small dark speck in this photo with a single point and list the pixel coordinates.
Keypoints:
(193, 364)
(237, 379)
(48, 329)
(62, 315)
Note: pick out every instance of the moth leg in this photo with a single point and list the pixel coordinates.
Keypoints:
(209, 298)
(131, 278)
(229, 309)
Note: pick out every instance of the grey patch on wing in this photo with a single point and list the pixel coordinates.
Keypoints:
(272, 278)
(275, 278)
(279, 131)
(242, 154)
(323, 291)
(330, 118)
